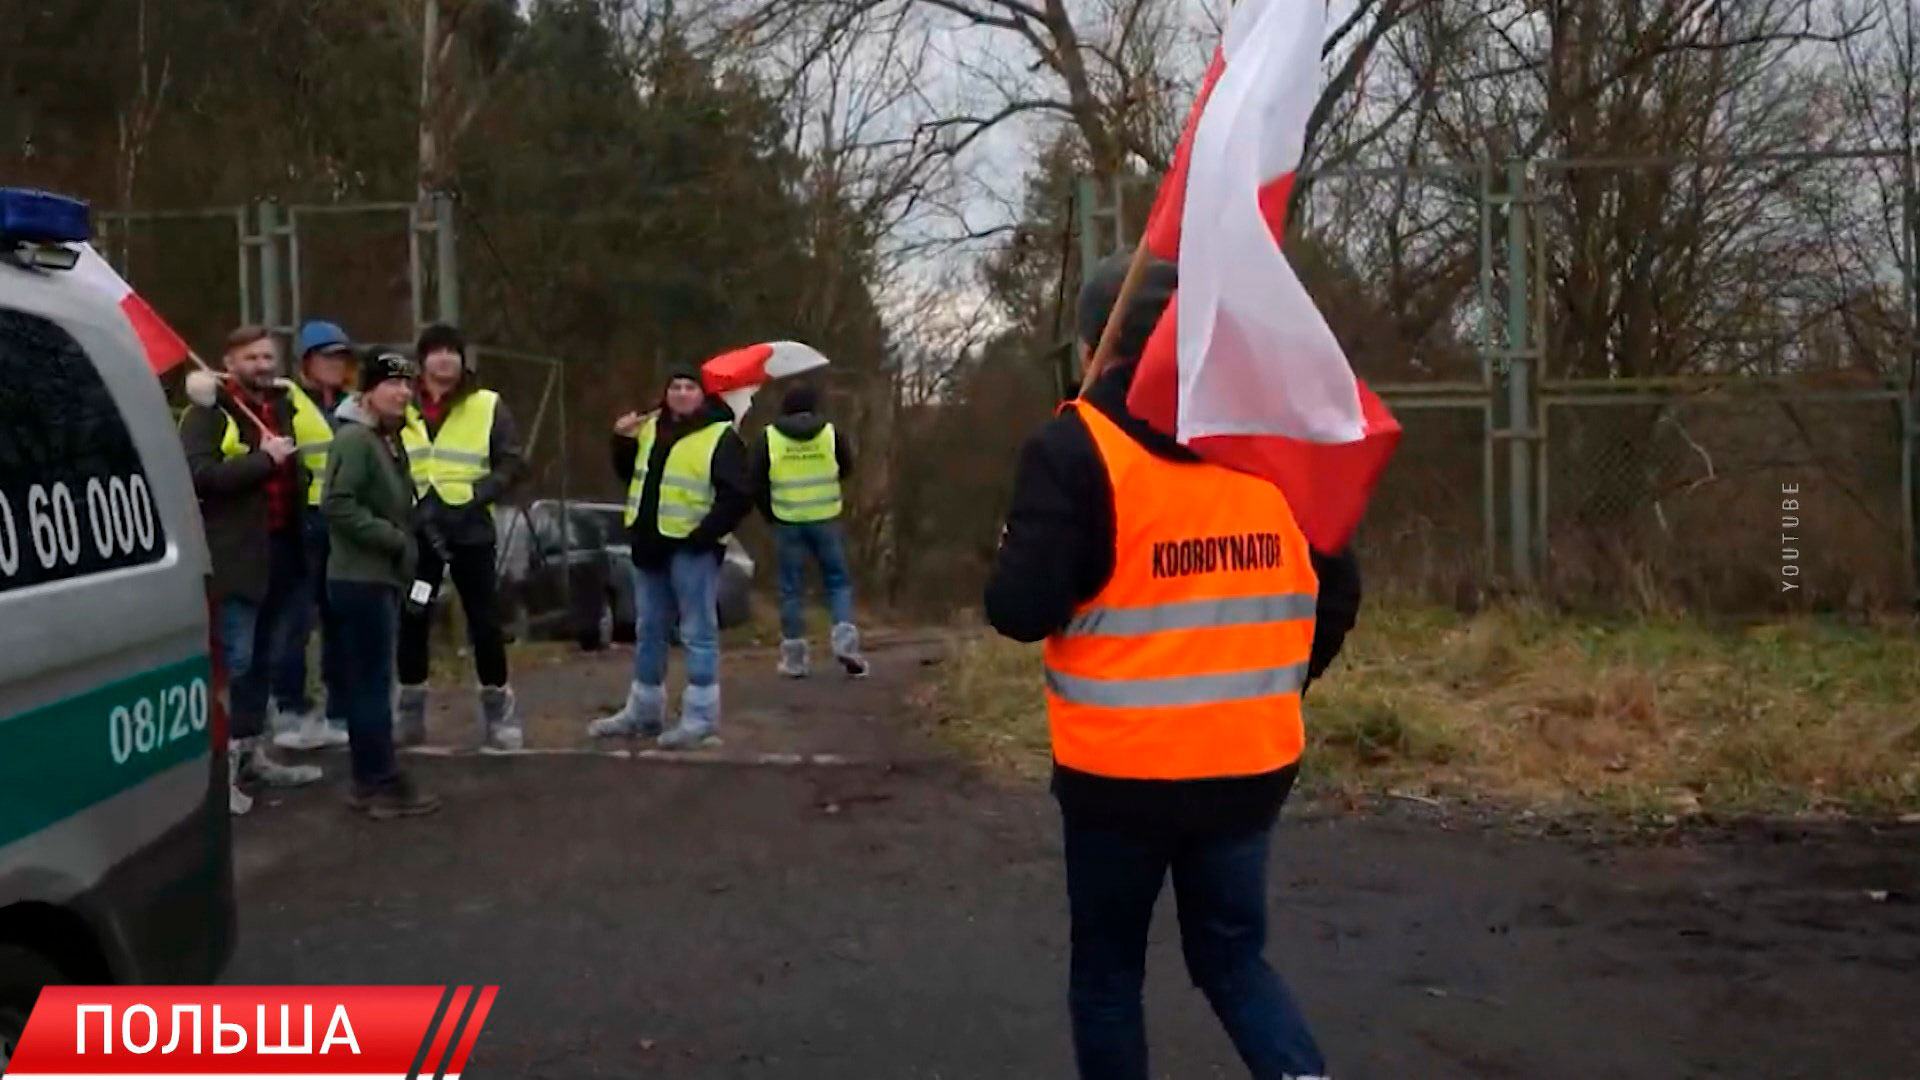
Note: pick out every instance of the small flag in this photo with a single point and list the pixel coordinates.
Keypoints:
(1242, 368)
(165, 349)
(737, 374)
(336, 1032)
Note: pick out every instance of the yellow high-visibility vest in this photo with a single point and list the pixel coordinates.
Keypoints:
(312, 439)
(804, 475)
(452, 462)
(231, 445)
(686, 478)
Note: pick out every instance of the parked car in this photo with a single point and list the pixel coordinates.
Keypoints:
(554, 574)
(736, 574)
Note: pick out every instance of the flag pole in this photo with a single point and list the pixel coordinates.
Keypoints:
(1103, 350)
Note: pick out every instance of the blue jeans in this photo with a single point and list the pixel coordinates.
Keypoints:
(793, 546)
(307, 608)
(689, 590)
(1220, 882)
(368, 618)
(249, 631)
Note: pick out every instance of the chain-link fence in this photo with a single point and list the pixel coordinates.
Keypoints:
(1630, 381)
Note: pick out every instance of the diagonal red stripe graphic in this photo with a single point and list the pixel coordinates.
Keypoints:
(472, 1035)
(443, 1031)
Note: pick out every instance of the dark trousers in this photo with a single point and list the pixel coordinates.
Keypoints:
(367, 615)
(474, 579)
(1114, 876)
(307, 609)
(251, 681)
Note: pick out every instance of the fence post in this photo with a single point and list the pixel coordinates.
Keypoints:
(1910, 404)
(446, 267)
(1519, 426)
(270, 310)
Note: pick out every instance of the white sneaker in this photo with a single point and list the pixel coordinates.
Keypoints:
(257, 764)
(238, 802)
(794, 660)
(308, 732)
(643, 715)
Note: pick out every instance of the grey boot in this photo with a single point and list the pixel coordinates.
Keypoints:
(501, 715)
(793, 658)
(846, 649)
(410, 717)
(699, 720)
(644, 714)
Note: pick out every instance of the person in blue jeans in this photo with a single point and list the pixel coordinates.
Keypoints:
(1173, 696)
(685, 468)
(800, 467)
(320, 386)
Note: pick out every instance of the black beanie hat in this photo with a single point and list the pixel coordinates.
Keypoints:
(800, 399)
(1150, 298)
(682, 369)
(385, 364)
(441, 336)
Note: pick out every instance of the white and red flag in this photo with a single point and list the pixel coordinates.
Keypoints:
(737, 374)
(1242, 368)
(165, 349)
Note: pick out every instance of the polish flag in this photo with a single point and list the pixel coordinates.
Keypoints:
(165, 349)
(737, 374)
(1242, 368)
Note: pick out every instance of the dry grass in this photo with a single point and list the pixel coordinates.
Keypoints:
(1654, 715)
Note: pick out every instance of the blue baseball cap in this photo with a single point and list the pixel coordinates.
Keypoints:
(322, 337)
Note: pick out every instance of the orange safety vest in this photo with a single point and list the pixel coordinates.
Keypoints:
(1189, 663)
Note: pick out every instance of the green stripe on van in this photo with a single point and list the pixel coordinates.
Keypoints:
(61, 759)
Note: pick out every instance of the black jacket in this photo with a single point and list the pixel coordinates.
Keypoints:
(731, 498)
(233, 491)
(796, 425)
(472, 524)
(1057, 553)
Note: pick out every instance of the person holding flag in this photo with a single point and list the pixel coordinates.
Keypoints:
(1177, 537)
(685, 468)
(319, 388)
(249, 480)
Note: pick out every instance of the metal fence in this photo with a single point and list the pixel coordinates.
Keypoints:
(1747, 442)
(382, 270)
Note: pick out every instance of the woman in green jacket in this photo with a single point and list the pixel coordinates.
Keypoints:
(368, 503)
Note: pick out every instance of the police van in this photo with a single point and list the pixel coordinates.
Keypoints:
(115, 849)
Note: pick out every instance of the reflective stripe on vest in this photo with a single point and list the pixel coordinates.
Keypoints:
(456, 459)
(804, 475)
(686, 478)
(313, 439)
(1189, 663)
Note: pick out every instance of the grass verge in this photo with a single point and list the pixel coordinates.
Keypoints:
(1647, 716)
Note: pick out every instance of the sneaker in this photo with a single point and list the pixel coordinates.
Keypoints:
(238, 802)
(410, 716)
(500, 720)
(398, 799)
(258, 765)
(309, 732)
(643, 715)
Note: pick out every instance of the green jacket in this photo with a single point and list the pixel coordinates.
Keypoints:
(368, 504)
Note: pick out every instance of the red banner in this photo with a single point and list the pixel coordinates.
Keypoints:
(283, 1032)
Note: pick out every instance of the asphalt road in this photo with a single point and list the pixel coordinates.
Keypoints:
(907, 920)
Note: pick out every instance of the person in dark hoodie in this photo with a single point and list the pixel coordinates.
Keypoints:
(686, 473)
(1183, 616)
(465, 456)
(371, 558)
(799, 466)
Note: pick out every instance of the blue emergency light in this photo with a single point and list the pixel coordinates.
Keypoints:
(41, 217)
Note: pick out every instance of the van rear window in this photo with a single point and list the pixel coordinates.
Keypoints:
(74, 499)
